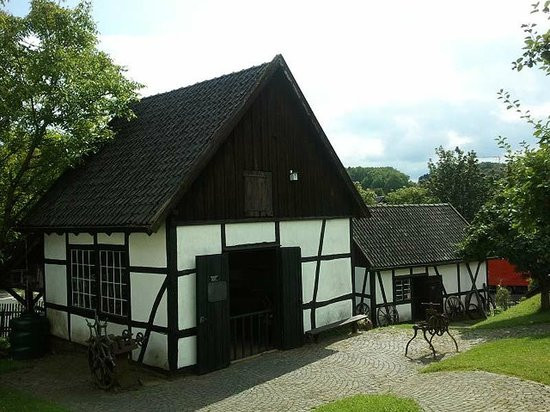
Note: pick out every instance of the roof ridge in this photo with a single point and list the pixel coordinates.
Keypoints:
(208, 80)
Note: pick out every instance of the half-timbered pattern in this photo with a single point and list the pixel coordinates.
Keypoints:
(217, 223)
(405, 259)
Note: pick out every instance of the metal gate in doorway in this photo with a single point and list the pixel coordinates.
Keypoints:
(251, 333)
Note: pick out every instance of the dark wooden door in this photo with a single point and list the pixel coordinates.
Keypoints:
(425, 290)
(213, 340)
(291, 316)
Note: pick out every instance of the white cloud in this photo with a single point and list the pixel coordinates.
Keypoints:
(456, 140)
(357, 149)
(350, 57)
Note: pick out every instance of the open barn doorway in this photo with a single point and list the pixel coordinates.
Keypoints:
(253, 304)
(426, 292)
(248, 301)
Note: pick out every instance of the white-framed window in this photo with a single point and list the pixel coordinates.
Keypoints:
(83, 278)
(99, 279)
(402, 289)
(114, 295)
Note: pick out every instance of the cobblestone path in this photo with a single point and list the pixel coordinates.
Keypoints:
(300, 379)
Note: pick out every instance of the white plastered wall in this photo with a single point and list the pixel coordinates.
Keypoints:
(144, 288)
(55, 277)
(110, 239)
(308, 280)
(81, 239)
(334, 279)
(196, 241)
(156, 353)
(405, 312)
(337, 237)
(334, 275)
(247, 233)
(59, 325)
(333, 312)
(304, 234)
(80, 331)
(54, 246)
(360, 274)
(187, 351)
(148, 250)
(387, 282)
(145, 251)
(193, 241)
(448, 276)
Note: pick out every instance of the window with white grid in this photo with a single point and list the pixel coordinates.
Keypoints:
(402, 290)
(83, 278)
(113, 287)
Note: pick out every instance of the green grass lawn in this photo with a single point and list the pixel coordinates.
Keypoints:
(527, 358)
(375, 403)
(12, 400)
(524, 314)
(8, 365)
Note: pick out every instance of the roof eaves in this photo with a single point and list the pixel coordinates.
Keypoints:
(86, 229)
(416, 264)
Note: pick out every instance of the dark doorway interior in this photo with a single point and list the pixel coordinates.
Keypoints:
(425, 290)
(253, 297)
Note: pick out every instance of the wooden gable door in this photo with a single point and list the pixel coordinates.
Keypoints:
(291, 312)
(213, 340)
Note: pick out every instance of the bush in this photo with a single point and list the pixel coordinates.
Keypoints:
(502, 297)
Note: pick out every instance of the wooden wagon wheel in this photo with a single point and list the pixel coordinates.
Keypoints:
(476, 310)
(387, 315)
(101, 364)
(362, 309)
(454, 307)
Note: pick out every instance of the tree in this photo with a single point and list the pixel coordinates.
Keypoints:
(515, 223)
(368, 195)
(456, 178)
(410, 195)
(381, 179)
(58, 93)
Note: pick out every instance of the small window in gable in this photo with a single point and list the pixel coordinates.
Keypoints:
(258, 194)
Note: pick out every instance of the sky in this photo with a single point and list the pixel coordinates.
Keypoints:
(388, 81)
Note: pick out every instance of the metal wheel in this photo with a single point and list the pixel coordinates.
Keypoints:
(476, 310)
(473, 311)
(387, 315)
(454, 307)
(362, 309)
(101, 365)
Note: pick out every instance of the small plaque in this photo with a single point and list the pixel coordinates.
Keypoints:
(217, 291)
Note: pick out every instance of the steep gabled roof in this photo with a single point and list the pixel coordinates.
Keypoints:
(135, 180)
(409, 235)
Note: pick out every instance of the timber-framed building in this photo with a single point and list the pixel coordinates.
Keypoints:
(217, 222)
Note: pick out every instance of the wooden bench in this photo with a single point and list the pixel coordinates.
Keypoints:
(313, 334)
(435, 324)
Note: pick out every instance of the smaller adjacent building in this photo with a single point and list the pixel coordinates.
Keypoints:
(406, 256)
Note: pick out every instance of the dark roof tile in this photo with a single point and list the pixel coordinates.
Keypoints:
(135, 174)
(409, 235)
